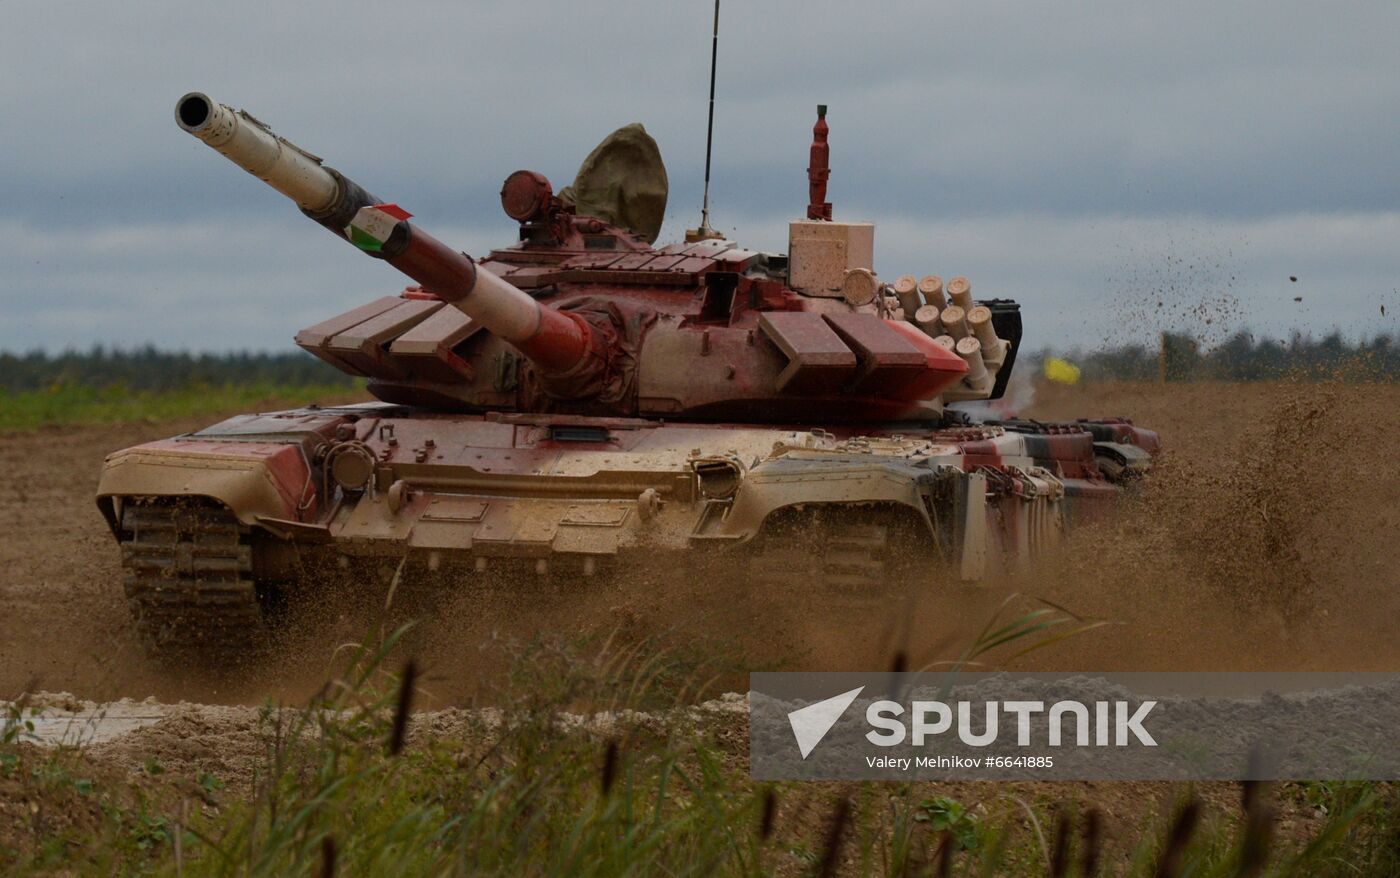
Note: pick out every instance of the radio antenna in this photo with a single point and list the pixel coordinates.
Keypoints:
(705, 231)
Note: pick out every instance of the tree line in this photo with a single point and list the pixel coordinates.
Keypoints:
(151, 369)
(1242, 357)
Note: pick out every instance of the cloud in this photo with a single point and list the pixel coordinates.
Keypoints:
(1076, 133)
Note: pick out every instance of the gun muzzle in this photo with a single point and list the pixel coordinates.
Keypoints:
(556, 342)
(249, 144)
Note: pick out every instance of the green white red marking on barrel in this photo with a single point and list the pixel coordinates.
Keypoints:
(371, 226)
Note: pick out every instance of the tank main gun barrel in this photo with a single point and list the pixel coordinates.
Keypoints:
(555, 341)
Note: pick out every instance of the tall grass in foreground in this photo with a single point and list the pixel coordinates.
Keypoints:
(570, 781)
(68, 404)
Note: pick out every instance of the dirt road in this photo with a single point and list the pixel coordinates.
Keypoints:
(1265, 541)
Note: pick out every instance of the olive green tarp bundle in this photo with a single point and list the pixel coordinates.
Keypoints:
(623, 181)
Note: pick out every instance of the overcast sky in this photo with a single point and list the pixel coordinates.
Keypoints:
(1118, 168)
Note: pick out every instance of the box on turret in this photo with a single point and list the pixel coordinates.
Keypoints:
(820, 253)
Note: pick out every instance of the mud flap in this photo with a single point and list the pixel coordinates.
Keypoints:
(971, 542)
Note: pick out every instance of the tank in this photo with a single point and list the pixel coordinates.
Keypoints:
(582, 401)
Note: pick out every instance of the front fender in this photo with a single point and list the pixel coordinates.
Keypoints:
(950, 503)
(254, 480)
(782, 483)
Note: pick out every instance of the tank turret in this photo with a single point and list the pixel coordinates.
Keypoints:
(584, 315)
(556, 342)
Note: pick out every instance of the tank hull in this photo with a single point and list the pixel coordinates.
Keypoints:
(381, 487)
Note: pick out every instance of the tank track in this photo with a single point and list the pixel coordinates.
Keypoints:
(188, 580)
(855, 560)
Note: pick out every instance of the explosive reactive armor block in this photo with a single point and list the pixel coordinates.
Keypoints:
(820, 254)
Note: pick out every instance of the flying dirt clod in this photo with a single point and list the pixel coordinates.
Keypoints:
(582, 399)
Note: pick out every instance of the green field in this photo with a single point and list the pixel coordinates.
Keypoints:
(74, 405)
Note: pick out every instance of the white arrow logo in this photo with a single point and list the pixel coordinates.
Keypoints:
(811, 723)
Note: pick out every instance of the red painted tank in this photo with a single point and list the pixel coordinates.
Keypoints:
(583, 398)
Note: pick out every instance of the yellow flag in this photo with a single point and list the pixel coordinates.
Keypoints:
(1061, 371)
